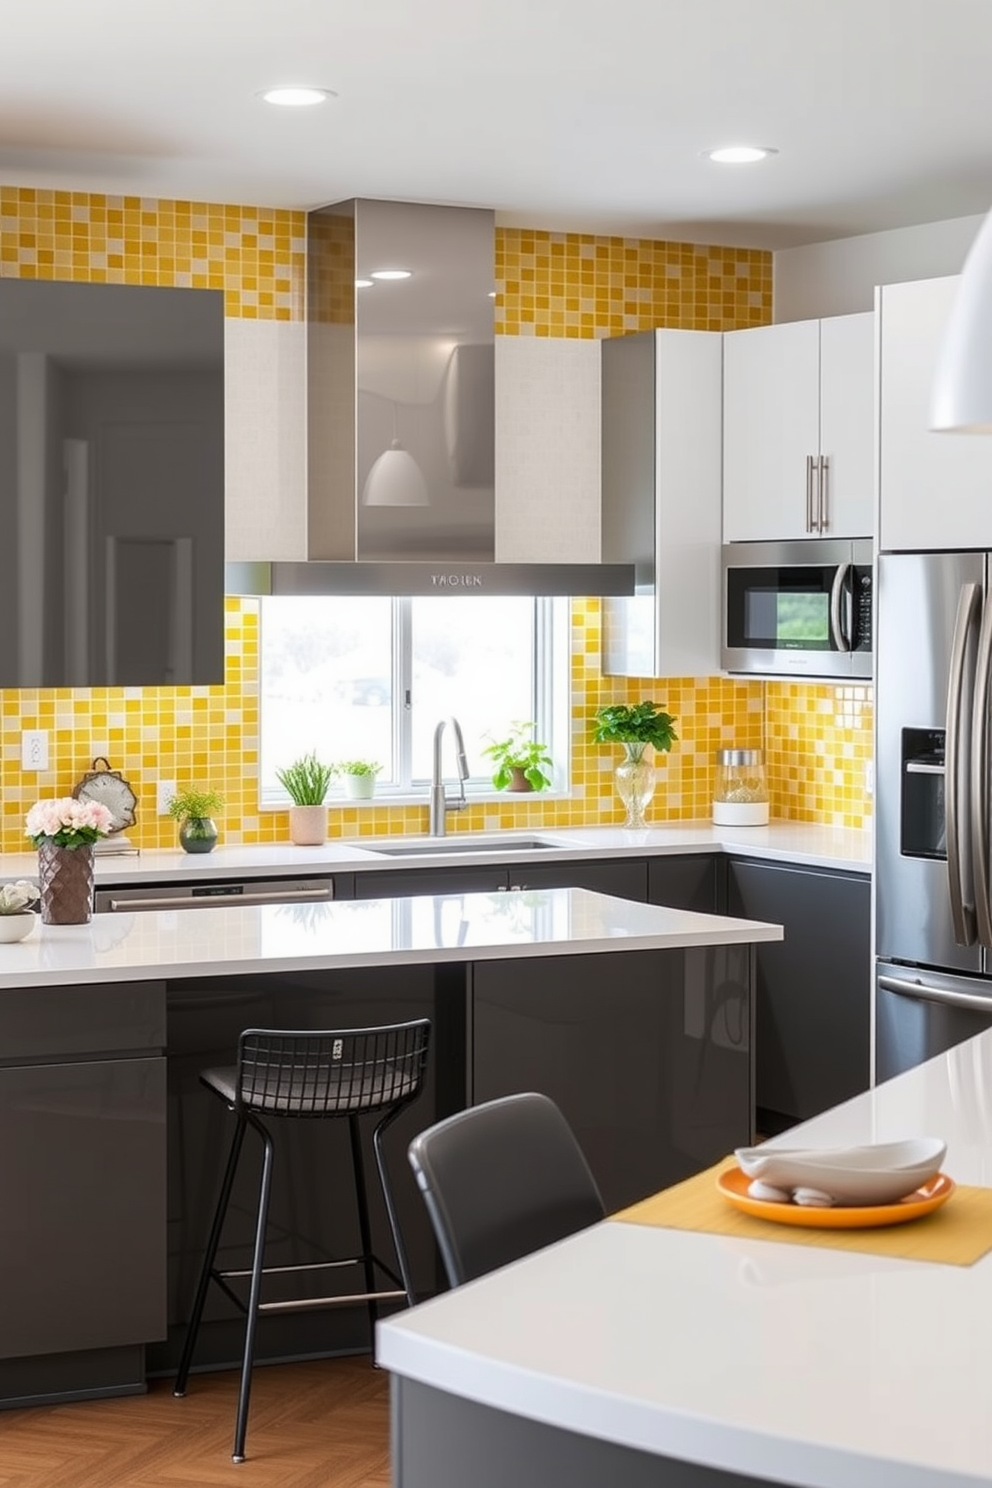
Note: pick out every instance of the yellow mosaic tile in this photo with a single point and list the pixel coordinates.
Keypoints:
(817, 739)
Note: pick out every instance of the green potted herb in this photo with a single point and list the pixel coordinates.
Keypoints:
(306, 781)
(191, 809)
(521, 760)
(634, 726)
(358, 778)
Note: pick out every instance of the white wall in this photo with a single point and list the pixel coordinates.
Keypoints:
(839, 277)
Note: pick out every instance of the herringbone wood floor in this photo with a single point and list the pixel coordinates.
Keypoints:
(317, 1425)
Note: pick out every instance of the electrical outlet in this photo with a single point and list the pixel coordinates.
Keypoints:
(165, 791)
(34, 749)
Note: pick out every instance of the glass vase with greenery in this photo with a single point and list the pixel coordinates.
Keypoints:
(192, 810)
(634, 726)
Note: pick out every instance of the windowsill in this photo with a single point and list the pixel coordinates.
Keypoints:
(421, 798)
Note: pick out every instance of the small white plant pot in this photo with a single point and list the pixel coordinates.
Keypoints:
(308, 825)
(359, 787)
(16, 926)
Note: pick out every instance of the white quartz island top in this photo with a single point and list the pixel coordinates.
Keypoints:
(806, 844)
(352, 933)
(795, 1364)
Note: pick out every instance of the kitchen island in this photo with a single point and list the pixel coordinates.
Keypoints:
(642, 1356)
(637, 1019)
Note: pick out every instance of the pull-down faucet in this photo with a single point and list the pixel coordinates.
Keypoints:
(440, 803)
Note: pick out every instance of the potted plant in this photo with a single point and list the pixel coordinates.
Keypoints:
(64, 832)
(191, 809)
(634, 726)
(521, 760)
(358, 778)
(16, 915)
(306, 781)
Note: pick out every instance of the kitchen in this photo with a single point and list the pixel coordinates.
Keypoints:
(817, 738)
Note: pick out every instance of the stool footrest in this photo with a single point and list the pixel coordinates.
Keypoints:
(313, 1303)
(395, 1293)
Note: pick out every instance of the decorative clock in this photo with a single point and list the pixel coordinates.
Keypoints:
(111, 789)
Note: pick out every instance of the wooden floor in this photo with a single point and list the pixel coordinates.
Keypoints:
(316, 1425)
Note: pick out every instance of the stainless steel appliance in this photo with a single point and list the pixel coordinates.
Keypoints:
(798, 608)
(933, 932)
(209, 895)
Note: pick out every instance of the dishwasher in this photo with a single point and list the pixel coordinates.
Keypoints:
(204, 895)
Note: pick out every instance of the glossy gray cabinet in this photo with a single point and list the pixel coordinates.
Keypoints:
(692, 881)
(82, 1173)
(813, 1015)
(623, 878)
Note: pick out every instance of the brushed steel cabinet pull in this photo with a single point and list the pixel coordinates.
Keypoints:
(823, 495)
(809, 493)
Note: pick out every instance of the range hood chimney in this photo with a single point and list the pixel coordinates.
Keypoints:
(401, 414)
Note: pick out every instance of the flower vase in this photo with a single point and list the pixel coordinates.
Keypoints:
(198, 834)
(65, 878)
(635, 780)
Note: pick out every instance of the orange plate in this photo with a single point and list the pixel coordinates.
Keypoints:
(733, 1184)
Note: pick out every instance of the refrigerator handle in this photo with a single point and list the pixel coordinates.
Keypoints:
(957, 819)
(980, 781)
(923, 992)
(840, 640)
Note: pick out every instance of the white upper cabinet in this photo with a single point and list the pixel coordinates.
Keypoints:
(935, 490)
(798, 430)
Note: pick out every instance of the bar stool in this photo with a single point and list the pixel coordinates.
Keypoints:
(305, 1075)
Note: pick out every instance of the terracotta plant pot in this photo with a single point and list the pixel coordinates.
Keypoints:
(308, 825)
(519, 781)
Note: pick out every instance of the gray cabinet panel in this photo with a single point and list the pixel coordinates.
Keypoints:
(65, 1022)
(82, 1227)
(691, 882)
(648, 1054)
(477, 878)
(624, 879)
(813, 1014)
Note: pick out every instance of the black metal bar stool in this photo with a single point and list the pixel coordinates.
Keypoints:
(307, 1075)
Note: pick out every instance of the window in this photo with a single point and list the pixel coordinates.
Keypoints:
(371, 678)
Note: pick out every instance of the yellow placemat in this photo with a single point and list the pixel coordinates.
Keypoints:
(956, 1234)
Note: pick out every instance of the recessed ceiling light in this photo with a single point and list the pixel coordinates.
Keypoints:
(739, 154)
(297, 97)
(363, 283)
(391, 273)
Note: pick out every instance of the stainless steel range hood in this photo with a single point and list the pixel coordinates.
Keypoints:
(401, 415)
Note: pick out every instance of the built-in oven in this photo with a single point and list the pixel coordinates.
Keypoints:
(205, 895)
(798, 608)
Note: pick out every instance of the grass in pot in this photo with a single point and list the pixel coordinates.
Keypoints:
(521, 761)
(191, 809)
(306, 782)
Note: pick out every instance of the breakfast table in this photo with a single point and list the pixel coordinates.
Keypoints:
(641, 1352)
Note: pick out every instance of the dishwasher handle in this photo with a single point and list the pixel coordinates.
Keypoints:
(213, 901)
(923, 992)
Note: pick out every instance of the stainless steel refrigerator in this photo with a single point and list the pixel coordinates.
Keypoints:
(933, 926)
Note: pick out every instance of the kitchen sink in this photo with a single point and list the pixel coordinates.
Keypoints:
(431, 845)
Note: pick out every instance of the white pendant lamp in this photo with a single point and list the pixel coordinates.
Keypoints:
(961, 401)
(395, 480)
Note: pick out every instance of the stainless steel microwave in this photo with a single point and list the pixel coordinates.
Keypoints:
(798, 609)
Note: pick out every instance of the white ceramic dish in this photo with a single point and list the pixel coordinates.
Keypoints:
(881, 1173)
(16, 926)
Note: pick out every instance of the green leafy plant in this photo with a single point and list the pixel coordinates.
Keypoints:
(520, 751)
(356, 767)
(634, 723)
(306, 780)
(194, 805)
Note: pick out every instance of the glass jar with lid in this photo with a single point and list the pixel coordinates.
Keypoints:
(740, 796)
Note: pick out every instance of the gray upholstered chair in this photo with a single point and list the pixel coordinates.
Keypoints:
(501, 1180)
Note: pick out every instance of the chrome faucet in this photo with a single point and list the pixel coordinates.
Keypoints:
(441, 804)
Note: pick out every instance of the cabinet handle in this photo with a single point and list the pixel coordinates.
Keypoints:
(809, 493)
(822, 495)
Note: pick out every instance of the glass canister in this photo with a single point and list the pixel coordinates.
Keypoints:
(740, 797)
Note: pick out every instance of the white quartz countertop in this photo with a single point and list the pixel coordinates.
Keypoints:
(795, 1364)
(790, 842)
(351, 933)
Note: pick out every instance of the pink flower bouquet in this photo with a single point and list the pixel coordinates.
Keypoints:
(68, 822)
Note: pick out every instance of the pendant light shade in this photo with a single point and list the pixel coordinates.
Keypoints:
(962, 389)
(395, 480)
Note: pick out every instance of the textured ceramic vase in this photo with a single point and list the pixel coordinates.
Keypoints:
(65, 878)
(308, 825)
(198, 834)
(635, 780)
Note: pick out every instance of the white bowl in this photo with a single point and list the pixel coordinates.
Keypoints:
(881, 1173)
(16, 926)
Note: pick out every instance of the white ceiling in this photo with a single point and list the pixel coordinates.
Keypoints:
(567, 114)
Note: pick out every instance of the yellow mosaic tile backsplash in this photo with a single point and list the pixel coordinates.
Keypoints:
(817, 738)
